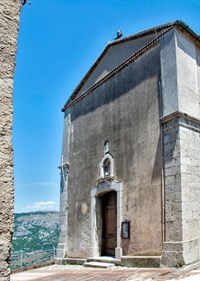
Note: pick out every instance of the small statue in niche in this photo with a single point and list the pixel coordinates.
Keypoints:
(106, 167)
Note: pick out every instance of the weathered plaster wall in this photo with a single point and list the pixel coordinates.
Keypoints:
(115, 55)
(62, 246)
(125, 111)
(9, 22)
(187, 76)
(180, 85)
(169, 73)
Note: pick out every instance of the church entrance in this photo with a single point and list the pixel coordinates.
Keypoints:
(109, 223)
(106, 219)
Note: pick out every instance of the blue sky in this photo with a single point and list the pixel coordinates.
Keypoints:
(58, 42)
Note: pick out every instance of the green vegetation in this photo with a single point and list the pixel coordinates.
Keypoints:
(35, 231)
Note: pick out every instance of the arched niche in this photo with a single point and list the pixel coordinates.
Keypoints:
(106, 167)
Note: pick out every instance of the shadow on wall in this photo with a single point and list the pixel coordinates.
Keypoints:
(120, 84)
(112, 56)
(157, 167)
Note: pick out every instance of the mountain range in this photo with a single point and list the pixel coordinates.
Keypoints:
(35, 231)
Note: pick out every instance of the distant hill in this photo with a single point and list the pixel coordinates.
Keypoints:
(35, 231)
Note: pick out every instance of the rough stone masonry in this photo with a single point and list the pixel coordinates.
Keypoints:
(9, 25)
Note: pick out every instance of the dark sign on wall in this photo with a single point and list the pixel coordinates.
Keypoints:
(125, 231)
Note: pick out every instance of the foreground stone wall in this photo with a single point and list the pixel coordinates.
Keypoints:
(9, 23)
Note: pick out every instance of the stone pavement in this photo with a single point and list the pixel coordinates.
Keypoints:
(79, 273)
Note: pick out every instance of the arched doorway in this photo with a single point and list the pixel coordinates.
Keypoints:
(109, 223)
(101, 196)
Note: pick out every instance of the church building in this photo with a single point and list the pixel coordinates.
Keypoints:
(130, 166)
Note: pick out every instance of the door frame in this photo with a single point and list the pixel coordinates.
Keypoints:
(96, 218)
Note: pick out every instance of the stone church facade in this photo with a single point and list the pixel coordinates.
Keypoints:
(9, 24)
(130, 169)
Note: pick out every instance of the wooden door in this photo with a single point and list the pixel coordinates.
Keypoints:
(109, 219)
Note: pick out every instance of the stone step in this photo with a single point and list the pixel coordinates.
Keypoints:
(75, 261)
(99, 264)
(140, 261)
(104, 259)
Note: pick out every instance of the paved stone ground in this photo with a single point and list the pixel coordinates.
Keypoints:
(79, 273)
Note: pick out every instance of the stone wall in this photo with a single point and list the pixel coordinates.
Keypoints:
(9, 23)
(182, 181)
(190, 167)
(172, 196)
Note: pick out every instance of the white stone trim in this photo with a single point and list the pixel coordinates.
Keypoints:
(104, 187)
(101, 166)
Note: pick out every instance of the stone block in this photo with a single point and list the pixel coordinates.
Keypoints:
(140, 261)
